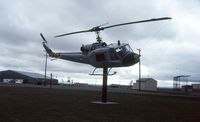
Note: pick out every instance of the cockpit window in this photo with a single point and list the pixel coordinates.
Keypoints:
(123, 50)
(128, 48)
(118, 49)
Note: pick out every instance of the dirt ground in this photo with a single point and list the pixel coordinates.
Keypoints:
(27, 104)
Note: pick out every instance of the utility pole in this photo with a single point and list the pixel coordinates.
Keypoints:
(139, 71)
(45, 72)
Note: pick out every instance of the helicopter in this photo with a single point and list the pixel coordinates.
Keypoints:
(100, 54)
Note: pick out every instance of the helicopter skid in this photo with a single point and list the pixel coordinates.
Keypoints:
(103, 74)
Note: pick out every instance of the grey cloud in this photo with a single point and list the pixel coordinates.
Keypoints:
(163, 43)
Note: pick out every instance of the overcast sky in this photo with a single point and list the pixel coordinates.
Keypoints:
(168, 48)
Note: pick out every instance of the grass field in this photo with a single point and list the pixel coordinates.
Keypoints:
(19, 104)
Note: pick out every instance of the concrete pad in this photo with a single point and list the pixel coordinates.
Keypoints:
(104, 103)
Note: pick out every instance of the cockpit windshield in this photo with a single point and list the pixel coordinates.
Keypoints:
(123, 50)
(128, 48)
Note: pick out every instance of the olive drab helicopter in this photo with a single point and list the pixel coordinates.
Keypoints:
(100, 54)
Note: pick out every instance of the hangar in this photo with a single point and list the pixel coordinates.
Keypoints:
(147, 84)
(12, 76)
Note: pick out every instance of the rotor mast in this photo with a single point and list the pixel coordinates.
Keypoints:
(99, 39)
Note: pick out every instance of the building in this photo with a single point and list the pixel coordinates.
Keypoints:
(11, 76)
(114, 85)
(190, 88)
(187, 88)
(80, 84)
(196, 87)
(146, 84)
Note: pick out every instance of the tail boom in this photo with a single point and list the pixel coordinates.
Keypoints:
(50, 52)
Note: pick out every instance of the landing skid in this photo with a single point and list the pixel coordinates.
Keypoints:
(103, 73)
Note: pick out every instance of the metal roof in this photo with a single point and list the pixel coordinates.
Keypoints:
(33, 75)
(145, 79)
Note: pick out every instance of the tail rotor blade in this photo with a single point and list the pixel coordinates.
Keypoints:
(43, 37)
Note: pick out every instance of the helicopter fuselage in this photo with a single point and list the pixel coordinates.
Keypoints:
(100, 55)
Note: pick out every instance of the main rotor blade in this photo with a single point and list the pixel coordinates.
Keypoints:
(72, 33)
(98, 28)
(43, 38)
(142, 21)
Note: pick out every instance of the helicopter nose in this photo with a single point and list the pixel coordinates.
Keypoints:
(131, 59)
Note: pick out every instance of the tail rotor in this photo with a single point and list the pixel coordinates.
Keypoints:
(45, 41)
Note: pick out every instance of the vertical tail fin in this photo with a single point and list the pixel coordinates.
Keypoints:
(48, 50)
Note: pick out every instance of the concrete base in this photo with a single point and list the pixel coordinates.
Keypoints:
(104, 103)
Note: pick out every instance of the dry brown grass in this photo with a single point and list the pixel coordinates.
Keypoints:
(19, 104)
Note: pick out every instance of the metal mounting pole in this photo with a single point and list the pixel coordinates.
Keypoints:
(104, 87)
